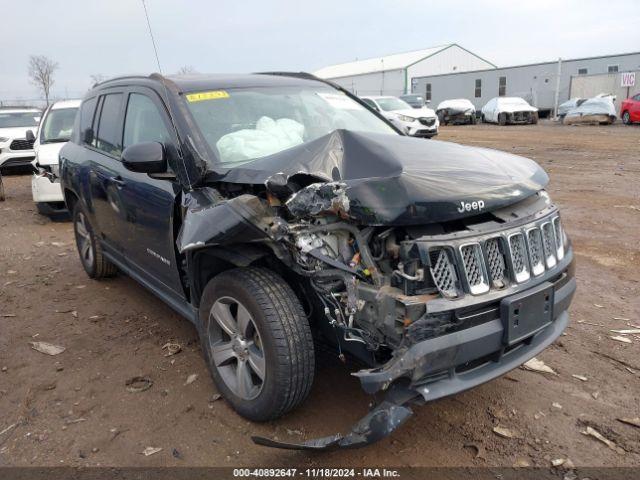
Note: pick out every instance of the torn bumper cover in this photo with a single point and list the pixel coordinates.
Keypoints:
(454, 362)
(380, 422)
(433, 365)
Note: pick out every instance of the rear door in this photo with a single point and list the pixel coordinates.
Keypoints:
(150, 200)
(106, 181)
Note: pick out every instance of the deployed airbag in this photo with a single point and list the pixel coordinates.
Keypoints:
(269, 136)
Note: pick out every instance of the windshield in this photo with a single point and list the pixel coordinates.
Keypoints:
(241, 125)
(390, 104)
(18, 119)
(57, 125)
(413, 99)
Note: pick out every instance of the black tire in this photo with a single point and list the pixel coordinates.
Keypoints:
(95, 264)
(626, 118)
(282, 330)
(502, 119)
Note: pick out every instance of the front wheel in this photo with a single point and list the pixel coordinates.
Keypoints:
(626, 118)
(257, 342)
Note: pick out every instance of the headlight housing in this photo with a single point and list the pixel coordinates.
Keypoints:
(3, 139)
(404, 118)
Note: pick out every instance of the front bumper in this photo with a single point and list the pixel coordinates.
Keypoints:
(45, 190)
(454, 362)
(15, 158)
(418, 129)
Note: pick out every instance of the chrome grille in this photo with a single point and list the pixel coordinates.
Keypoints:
(495, 263)
(559, 234)
(534, 240)
(443, 272)
(518, 252)
(549, 244)
(477, 265)
(474, 268)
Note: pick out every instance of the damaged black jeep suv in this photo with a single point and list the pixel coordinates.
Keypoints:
(278, 212)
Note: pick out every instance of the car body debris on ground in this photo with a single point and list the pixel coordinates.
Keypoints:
(74, 408)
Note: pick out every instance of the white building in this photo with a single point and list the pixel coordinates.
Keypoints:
(393, 74)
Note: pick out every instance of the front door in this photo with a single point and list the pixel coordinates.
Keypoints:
(150, 202)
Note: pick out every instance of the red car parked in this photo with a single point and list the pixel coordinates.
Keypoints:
(630, 110)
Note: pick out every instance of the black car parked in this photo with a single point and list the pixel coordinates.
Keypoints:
(276, 211)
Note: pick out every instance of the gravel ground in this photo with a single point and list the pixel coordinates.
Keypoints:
(74, 408)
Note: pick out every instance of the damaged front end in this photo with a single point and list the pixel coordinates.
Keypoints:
(401, 266)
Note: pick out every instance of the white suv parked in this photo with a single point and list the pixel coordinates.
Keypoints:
(54, 132)
(417, 122)
(15, 149)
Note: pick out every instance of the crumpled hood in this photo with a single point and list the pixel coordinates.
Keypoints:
(399, 180)
(48, 153)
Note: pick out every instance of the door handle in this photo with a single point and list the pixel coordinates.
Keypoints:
(119, 181)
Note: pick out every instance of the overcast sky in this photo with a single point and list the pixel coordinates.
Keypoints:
(110, 37)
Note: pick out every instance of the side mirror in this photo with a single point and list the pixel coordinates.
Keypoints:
(30, 136)
(146, 157)
(87, 136)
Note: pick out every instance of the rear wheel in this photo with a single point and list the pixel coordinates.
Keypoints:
(626, 118)
(257, 342)
(89, 249)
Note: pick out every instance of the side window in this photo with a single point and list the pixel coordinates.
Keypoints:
(502, 86)
(109, 134)
(86, 115)
(478, 92)
(143, 122)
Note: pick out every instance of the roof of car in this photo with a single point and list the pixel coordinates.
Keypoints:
(200, 82)
(66, 104)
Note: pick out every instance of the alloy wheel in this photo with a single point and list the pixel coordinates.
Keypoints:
(85, 245)
(236, 348)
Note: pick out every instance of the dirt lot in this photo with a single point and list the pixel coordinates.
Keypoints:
(74, 409)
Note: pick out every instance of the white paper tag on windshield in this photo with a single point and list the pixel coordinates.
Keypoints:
(340, 101)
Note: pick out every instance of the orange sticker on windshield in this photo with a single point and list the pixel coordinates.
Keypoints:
(213, 95)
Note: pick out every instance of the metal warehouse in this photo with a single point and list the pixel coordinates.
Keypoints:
(394, 74)
(537, 83)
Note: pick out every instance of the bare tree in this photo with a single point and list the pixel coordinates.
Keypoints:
(186, 70)
(41, 71)
(97, 78)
